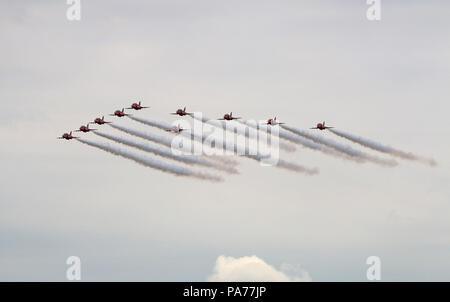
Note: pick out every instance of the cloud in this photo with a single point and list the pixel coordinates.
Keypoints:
(252, 268)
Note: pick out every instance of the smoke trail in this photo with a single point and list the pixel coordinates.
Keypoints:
(248, 132)
(193, 134)
(223, 160)
(157, 124)
(145, 135)
(201, 137)
(148, 161)
(287, 146)
(339, 147)
(150, 136)
(382, 148)
(164, 152)
(297, 168)
(227, 145)
(226, 163)
(168, 142)
(301, 141)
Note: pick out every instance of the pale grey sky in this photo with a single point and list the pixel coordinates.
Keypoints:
(304, 61)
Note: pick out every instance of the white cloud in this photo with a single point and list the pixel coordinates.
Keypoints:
(252, 268)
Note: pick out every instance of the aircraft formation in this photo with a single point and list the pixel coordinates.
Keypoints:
(289, 137)
(175, 129)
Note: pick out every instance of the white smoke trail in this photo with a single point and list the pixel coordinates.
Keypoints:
(297, 168)
(245, 131)
(301, 141)
(223, 160)
(168, 143)
(253, 127)
(164, 152)
(199, 137)
(287, 146)
(148, 161)
(382, 148)
(248, 132)
(226, 144)
(152, 123)
(339, 147)
(145, 135)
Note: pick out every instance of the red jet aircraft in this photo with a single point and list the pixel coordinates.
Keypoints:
(67, 136)
(119, 113)
(181, 112)
(137, 106)
(321, 126)
(175, 129)
(99, 121)
(273, 122)
(229, 117)
(85, 129)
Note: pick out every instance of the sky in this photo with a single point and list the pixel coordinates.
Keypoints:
(302, 61)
